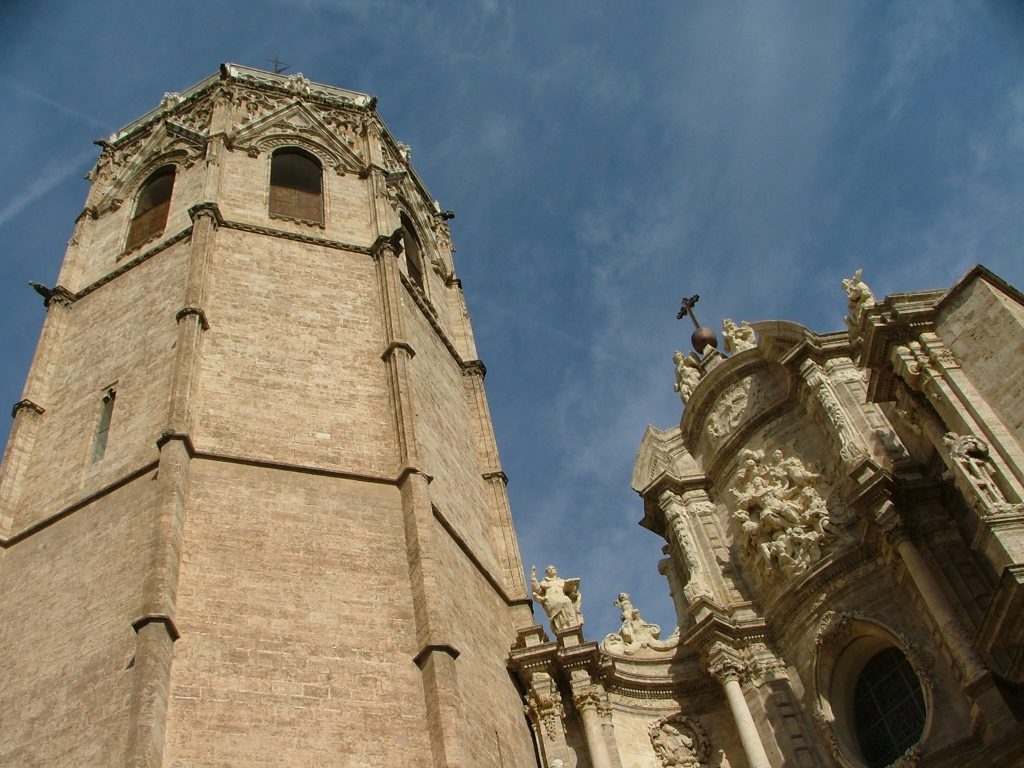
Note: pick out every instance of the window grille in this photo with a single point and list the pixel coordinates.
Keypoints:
(296, 186)
(152, 207)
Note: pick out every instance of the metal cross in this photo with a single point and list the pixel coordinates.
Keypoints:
(687, 309)
(279, 66)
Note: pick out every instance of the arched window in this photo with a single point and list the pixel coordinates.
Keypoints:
(151, 207)
(296, 185)
(888, 708)
(413, 252)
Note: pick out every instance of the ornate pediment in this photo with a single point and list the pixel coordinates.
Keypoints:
(661, 452)
(123, 166)
(270, 122)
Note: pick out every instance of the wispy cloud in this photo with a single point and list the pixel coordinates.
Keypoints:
(44, 99)
(52, 174)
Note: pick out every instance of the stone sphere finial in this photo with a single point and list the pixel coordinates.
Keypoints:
(703, 337)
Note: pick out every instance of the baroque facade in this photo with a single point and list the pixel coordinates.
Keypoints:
(844, 535)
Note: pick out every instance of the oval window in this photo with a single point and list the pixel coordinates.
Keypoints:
(888, 708)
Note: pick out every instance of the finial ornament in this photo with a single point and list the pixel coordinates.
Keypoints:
(702, 337)
(560, 598)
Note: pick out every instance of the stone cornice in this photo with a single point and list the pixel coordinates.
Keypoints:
(158, 618)
(26, 405)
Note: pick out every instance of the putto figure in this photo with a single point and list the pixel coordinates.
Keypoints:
(738, 337)
(560, 598)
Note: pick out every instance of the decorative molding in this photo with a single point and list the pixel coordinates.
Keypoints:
(390, 349)
(432, 648)
(197, 312)
(474, 368)
(158, 618)
(26, 405)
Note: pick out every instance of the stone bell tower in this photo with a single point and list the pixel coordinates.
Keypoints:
(251, 509)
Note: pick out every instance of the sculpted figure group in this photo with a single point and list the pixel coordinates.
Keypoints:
(738, 337)
(634, 632)
(782, 519)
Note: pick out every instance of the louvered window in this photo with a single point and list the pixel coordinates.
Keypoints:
(151, 208)
(296, 186)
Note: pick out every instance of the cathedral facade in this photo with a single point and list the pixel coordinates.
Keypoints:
(252, 511)
(844, 535)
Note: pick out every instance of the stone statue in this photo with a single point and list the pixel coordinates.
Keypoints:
(560, 598)
(634, 633)
(687, 375)
(738, 337)
(782, 521)
(859, 298)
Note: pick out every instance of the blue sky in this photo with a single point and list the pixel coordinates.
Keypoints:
(604, 159)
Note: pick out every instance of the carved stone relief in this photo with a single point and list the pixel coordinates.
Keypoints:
(680, 742)
(819, 383)
(683, 546)
(781, 521)
(975, 474)
(544, 705)
(738, 337)
(730, 408)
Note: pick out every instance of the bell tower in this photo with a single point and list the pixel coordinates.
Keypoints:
(251, 508)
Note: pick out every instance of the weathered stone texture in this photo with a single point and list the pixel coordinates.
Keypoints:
(123, 334)
(291, 364)
(68, 596)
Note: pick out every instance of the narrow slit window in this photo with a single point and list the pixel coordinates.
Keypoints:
(296, 186)
(151, 208)
(99, 445)
(413, 253)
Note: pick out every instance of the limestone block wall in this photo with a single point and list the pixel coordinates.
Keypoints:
(120, 334)
(68, 597)
(291, 366)
(296, 620)
(491, 724)
(985, 329)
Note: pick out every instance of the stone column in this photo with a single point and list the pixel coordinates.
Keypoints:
(725, 666)
(547, 716)
(953, 634)
(588, 698)
(27, 411)
(975, 677)
(437, 657)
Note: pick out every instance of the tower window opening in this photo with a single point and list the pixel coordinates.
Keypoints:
(888, 708)
(151, 208)
(296, 185)
(99, 445)
(413, 252)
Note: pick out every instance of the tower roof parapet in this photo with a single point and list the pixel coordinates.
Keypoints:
(296, 84)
